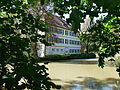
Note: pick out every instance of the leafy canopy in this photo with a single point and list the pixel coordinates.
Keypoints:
(18, 29)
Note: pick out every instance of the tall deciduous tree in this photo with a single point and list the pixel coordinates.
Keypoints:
(18, 29)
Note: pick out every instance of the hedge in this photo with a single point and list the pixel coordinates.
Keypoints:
(68, 56)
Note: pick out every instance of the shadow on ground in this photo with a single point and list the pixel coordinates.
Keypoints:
(90, 83)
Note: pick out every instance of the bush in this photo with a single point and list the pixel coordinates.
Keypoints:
(55, 57)
(91, 55)
(74, 56)
(83, 55)
(68, 56)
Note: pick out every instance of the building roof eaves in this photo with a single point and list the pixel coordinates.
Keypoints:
(57, 21)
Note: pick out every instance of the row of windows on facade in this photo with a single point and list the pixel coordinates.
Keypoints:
(62, 50)
(63, 32)
(63, 41)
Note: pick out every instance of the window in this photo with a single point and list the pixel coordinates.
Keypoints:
(61, 50)
(73, 34)
(58, 40)
(70, 41)
(62, 31)
(78, 51)
(78, 42)
(55, 40)
(73, 42)
(66, 32)
(70, 33)
(66, 41)
(71, 50)
(57, 50)
(53, 49)
(50, 39)
(50, 29)
(74, 51)
(58, 31)
(61, 40)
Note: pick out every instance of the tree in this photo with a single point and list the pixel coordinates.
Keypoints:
(105, 33)
(18, 29)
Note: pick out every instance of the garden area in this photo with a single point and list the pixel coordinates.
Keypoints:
(20, 21)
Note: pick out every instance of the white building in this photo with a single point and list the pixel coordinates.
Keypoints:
(65, 41)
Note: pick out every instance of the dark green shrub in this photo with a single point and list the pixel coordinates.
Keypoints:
(56, 57)
(91, 55)
(68, 56)
(74, 56)
(87, 55)
(83, 55)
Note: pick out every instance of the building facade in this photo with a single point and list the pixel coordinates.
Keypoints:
(60, 35)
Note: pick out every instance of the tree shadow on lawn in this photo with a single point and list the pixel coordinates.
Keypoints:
(91, 83)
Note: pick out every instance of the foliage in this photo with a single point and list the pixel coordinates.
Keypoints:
(55, 57)
(18, 29)
(40, 3)
(105, 33)
(105, 37)
(82, 56)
